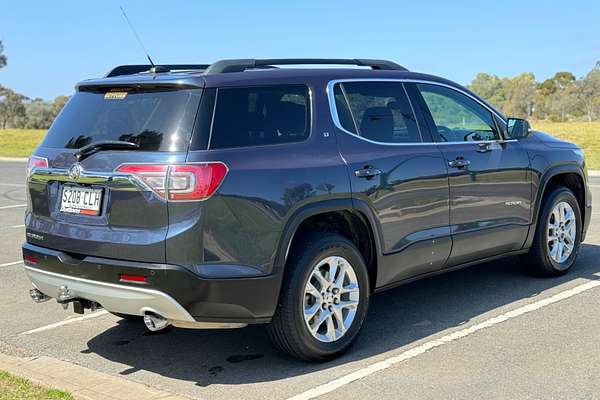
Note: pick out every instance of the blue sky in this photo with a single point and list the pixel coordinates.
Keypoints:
(52, 45)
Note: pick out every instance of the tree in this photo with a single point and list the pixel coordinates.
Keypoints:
(589, 92)
(39, 114)
(520, 92)
(2, 56)
(12, 108)
(490, 88)
(59, 103)
(564, 98)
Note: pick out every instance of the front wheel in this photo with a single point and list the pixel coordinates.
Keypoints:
(557, 237)
(324, 299)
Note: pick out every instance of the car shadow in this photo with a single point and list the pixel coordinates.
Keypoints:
(397, 318)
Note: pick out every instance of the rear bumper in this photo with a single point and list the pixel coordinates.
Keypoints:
(172, 291)
(115, 298)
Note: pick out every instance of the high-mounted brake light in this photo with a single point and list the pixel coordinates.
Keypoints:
(179, 182)
(36, 162)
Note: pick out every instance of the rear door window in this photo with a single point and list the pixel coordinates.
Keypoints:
(256, 116)
(157, 120)
(378, 111)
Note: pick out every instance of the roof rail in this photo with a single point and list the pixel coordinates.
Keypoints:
(241, 65)
(134, 69)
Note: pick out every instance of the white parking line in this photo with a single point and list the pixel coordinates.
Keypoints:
(66, 322)
(16, 226)
(416, 351)
(11, 263)
(12, 184)
(13, 206)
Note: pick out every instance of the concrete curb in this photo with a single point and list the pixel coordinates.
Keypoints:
(593, 173)
(81, 382)
(14, 159)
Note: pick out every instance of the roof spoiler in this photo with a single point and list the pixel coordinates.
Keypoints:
(136, 69)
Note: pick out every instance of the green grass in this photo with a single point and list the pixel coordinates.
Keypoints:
(22, 142)
(12, 388)
(19, 142)
(584, 134)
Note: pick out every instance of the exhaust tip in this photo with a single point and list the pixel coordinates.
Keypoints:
(37, 296)
(155, 322)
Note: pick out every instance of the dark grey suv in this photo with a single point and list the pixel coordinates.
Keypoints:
(210, 196)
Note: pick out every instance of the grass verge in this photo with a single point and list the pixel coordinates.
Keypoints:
(12, 387)
(19, 142)
(585, 135)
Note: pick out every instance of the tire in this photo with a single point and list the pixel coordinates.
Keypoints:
(541, 261)
(288, 329)
(128, 317)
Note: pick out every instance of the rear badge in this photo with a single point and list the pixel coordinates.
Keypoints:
(115, 95)
(34, 236)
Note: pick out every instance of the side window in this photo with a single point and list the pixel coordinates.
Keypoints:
(255, 116)
(378, 111)
(458, 118)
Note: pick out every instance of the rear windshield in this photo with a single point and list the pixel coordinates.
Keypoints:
(159, 120)
(256, 116)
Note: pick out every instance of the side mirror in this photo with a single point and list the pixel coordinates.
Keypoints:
(518, 128)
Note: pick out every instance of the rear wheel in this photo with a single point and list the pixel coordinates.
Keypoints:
(324, 299)
(558, 235)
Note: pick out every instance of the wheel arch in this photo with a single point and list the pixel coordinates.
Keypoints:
(357, 215)
(570, 176)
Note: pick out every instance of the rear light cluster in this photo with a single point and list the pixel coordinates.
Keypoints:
(36, 162)
(179, 182)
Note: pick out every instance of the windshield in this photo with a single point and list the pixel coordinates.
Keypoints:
(154, 120)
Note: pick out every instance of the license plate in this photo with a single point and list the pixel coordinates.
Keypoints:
(80, 200)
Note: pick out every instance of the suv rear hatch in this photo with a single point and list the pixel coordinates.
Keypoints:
(106, 203)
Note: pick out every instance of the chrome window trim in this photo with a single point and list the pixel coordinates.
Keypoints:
(336, 119)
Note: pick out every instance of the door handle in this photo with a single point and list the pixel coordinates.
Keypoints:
(459, 163)
(484, 147)
(367, 172)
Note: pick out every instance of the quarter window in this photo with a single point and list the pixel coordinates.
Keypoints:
(457, 117)
(378, 111)
(255, 116)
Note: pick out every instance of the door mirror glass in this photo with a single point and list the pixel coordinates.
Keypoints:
(518, 128)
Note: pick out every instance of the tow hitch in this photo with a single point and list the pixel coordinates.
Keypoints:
(63, 298)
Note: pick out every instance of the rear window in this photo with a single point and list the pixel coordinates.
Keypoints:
(159, 120)
(255, 116)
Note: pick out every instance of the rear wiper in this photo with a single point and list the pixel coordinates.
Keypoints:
(92, 148)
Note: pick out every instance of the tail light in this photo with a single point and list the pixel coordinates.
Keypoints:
(179, 182)
(36, 162)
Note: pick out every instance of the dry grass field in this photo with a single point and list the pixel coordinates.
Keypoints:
(22, 142)
(586, 135)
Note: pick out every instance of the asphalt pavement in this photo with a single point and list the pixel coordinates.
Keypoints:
(487, 331)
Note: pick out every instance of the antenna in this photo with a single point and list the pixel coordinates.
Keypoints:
(138, 39)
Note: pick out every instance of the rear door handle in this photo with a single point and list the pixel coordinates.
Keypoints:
(367, 172)
(459, 163)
